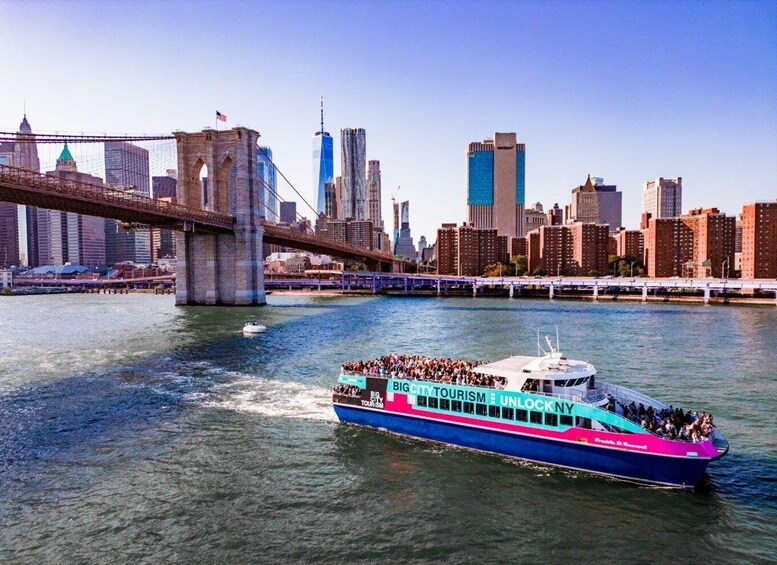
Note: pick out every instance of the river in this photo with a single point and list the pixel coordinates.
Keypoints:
(135, 431)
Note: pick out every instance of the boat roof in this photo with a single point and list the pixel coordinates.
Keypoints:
(552, 365)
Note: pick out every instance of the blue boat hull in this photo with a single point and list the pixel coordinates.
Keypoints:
(641, 467)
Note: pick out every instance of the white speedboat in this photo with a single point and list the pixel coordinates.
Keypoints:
(253, 327)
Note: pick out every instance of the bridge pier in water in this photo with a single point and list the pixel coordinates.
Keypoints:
(220, 268)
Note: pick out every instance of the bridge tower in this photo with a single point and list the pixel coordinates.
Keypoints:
(226, 268)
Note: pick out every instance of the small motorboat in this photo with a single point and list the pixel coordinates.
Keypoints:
(253, 327)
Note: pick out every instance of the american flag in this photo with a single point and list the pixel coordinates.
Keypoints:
(221, 117)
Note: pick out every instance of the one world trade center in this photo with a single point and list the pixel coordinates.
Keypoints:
(323, 163)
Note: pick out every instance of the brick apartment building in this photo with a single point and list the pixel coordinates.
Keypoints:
(759, 240)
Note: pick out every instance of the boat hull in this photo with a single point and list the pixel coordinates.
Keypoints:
(641, 467)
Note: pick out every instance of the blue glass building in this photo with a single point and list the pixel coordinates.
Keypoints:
(266, 172)
(496, 184)
(323, 163)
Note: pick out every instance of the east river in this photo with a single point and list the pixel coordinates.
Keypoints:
(134, 431)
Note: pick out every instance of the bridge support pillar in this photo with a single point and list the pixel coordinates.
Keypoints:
(707, 294)
(474, 290)
(596, 292)
(220, 268)
(512, 290)
(644, 292)
(550, 291)
(438, 287)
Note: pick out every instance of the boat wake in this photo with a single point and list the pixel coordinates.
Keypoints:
(275, 399)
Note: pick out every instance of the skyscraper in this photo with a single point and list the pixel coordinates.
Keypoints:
(75, 238)
(355, 200)
(127, 169)
(374, 190)
(268, 188)
(403, 246)
(323, 163)
(596, 203)
(288, 212)
(663, 198)
(496, 184)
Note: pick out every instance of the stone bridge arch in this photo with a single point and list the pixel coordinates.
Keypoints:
(220, 268)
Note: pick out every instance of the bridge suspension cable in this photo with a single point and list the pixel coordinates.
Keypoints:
(14, 137)
(315, 212)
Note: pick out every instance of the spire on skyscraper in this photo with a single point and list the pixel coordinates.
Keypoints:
(322, 113)
(24, 127)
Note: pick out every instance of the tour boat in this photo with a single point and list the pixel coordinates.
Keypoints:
(546, 409)
(253, 327)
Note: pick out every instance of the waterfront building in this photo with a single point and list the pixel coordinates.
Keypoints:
(596, 203)
(75, 238)
(9, 234)
(629, 243)
(323, 165)
(403, 244)
(518, 246)
(496, 184)
(24, 223)
(353, 232)
(663, 198)
(354, 197)
(164, 187)
(590, 248)
(163, 241)
(556, 250)
(288, 212)
(738, 235)
(713, 236)
(759, 240)
(535, 217)
(127, 169)
(446, 249)
(668, 247)
(268, 187)
(6, 279)
(533, 255)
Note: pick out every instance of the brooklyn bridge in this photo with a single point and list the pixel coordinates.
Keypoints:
(219, 225)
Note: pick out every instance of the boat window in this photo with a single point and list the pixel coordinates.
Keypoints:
(547, 386)
(521, 415)
(551, 419)
(469, 408)
(562, 382)
(445, 404)
(581, 381)
(421, 401)
(535, 417)
(583, 422)
(481, 409)
(432, 402)
(456, 405)
(507, 413)
(493, 411)
(566, 420)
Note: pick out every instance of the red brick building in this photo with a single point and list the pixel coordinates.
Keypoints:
(759, 240)
(590, 248)
(629, 243)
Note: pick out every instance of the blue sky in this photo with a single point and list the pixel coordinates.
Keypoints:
(624, 90)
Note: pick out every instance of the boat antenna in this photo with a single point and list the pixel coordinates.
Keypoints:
(539, 349)
(558, 341)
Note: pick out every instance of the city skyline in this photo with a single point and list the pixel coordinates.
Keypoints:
(710, 119)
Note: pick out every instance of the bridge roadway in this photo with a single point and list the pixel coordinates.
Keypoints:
(22, 186)
(378, 282)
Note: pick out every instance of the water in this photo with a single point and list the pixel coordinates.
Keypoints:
(135, 431)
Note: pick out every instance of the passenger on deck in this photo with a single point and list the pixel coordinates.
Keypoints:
(422, 368)
(672, 423)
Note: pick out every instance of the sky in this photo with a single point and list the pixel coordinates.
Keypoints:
(628, 91)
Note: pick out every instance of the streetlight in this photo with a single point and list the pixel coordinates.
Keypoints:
(727, 263)
(559, 269)
(632, 269)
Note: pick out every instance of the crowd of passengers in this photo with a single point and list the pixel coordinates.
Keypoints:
(347, 390)
(421, 368)
(671, 423)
